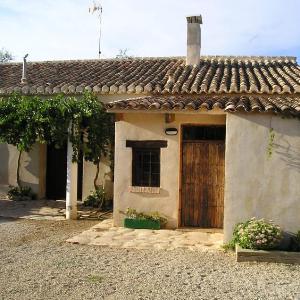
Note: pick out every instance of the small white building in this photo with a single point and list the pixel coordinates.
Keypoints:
(193, 135)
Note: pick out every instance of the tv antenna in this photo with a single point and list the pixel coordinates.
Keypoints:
(97, 9)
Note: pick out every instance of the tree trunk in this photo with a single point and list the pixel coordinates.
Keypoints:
(18, 169)
(97, 175)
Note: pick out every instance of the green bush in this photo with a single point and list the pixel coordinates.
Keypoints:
(96, 198)
(298, 236)
(256, 234)
(131, 213)
(295, 242)
(21, 193)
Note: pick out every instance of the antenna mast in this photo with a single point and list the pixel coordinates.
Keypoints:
(97, 8)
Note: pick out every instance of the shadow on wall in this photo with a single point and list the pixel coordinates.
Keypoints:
(289, 154)
(4, 159)
(287, 137)
(282, 125)
(107, 180)
(30, 169)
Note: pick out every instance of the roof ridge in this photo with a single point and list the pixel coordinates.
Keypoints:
(185, 103)
(249, 57)
(98, 59)
(203, 57)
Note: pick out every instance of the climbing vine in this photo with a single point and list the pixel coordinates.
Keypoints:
(18, 124)
(25, 120)
(271, 143)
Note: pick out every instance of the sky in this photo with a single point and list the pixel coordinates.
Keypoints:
(64, 29)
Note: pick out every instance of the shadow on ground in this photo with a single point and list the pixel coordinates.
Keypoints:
(46, 210)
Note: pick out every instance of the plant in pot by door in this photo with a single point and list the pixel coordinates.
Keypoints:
(140, 220)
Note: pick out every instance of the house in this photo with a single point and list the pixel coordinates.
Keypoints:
(208, 141)
(211, 146)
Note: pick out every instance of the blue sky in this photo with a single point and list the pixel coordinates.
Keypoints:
(63, 29)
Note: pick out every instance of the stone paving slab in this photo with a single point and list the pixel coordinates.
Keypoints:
(104, 234)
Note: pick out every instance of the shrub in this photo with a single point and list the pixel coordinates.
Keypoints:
(295, 242)
(298, 236)
(96, 198)
(21, 193)
(256, 234)
(131, 213)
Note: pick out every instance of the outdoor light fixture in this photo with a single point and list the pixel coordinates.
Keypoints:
(171, 131)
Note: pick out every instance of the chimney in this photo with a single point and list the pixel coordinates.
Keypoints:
(193, 39)
(24, 70)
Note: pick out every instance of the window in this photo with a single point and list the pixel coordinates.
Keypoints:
(146, 162)
(146, 167)
(191, 133)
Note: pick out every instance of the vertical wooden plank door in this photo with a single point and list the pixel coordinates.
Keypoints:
(202, 198)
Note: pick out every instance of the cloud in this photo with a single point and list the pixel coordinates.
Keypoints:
(65, 30)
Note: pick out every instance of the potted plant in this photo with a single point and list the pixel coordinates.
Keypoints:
(141, 220)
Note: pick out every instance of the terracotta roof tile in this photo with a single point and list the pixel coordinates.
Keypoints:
(213, 74)
(230, 103)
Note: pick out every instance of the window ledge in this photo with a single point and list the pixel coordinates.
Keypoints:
(144, 189)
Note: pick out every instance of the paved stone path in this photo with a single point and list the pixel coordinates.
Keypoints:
(104, 234)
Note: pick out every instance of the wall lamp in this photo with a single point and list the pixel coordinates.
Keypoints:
(171, 131)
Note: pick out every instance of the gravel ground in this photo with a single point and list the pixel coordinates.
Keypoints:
(37, 263)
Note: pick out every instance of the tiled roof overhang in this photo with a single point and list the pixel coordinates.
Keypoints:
(171, 75)
(193, 103)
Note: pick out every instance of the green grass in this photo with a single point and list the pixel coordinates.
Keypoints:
(95, 278)
(229, 246)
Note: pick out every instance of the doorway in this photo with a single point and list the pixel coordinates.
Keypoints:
(203, 172)
(56, 174)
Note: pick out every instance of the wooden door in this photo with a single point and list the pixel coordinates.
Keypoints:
(202, 198)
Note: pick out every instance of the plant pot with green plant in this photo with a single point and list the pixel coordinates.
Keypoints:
(141, 220)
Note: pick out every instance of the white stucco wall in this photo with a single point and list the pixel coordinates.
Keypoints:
(30, 167)
(104, 178)
(139, 126)
(258, 186)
